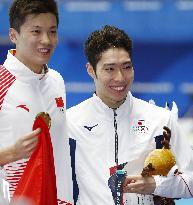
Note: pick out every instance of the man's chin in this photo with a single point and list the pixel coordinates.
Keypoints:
(118, 101)
(119, 98)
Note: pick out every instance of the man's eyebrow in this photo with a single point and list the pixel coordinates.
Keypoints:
(127, 62)
(112, 64)
(36, 26)
(109, 64)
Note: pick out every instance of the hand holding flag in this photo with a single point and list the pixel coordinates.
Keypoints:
(38, 182)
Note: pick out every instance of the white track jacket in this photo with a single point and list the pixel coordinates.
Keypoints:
(139, 126)
(23, 94)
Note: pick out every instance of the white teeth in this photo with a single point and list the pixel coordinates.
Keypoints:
(44, 50)
(118, 88)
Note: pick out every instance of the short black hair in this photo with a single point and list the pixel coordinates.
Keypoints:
(20, 9)
(103, 39)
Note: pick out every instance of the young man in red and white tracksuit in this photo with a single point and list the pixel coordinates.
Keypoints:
(27, 87)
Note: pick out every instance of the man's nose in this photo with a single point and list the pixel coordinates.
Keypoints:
(45, 39)
(119, 76)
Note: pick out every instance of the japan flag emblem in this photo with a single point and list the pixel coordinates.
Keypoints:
(139, 127)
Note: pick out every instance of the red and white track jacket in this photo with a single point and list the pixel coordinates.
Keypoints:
(23, 94)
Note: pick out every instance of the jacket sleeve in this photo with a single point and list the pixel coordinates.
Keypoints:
(177, 185)
(62, 151)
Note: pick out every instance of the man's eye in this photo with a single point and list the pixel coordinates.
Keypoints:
(127, 67)
(109, 69)
(53, 31)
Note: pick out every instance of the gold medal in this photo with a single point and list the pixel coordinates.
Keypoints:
(46, 118)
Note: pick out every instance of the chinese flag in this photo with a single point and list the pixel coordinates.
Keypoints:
(38, 182)
(59, 102)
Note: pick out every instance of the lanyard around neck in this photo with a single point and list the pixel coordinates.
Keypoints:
(116, 137)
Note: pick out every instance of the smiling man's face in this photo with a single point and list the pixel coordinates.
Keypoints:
(114, 76)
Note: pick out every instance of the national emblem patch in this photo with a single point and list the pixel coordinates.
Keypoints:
(139, 126)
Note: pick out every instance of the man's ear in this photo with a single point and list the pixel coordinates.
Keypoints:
(13, 35)
(90, 70)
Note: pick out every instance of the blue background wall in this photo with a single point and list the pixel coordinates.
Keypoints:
(162, 32)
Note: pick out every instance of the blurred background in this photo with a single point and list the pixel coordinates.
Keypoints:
(162, 33)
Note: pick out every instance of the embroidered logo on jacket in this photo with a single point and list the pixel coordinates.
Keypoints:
(60, 103)
(23, 107)
(90, 128)
(139, 127)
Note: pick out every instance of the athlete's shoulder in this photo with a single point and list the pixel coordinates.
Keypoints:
(147, 107)
(56, 79)
(4, 72)
(55, 74)
(6, 77)
(6, 81)
(79, 109)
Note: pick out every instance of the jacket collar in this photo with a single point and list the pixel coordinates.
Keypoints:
(107, 112)
(20, 71)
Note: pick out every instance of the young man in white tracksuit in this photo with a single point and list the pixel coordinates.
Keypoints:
(27, 87)
(113, 128)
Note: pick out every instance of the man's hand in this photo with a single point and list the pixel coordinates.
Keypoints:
(25, 145)
(138, 184)
(23, 148)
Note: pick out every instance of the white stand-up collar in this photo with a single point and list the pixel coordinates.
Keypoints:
(20, 71)
(103, 109)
